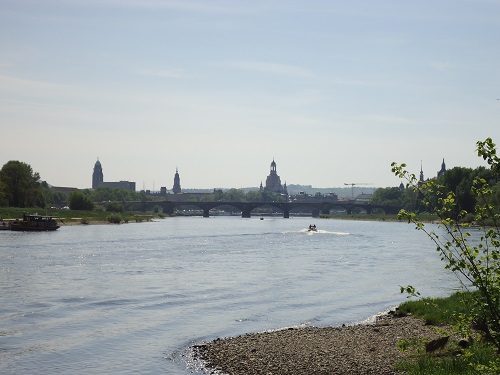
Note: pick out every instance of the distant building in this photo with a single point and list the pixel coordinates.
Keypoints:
(273, 181)
(97, 176)
(98, 180)
(421, 179)
(317, 197)
(176, 189)
(125, 185)
(442, 171)
(364, 198)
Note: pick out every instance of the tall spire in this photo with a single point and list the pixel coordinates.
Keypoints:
(421, 172)
(442, 171)
(177, 182)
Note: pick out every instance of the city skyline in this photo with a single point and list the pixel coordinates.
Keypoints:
(334, 91)
(176, 181)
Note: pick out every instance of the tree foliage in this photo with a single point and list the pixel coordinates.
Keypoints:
(114, 206)
(388, 196)
(19, 184)
(115, 194)
(80, 201)
(238, 195)
(476, 262)
(458, 180)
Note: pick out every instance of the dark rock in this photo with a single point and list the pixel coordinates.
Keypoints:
(464, 343)
(434, 345)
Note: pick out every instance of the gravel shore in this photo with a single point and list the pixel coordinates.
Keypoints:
(358, 349)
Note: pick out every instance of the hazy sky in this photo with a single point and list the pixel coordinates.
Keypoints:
(334, 91)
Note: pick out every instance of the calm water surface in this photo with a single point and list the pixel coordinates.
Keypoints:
(132, 298)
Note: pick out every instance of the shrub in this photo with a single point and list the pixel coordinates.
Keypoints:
(114, 219)
(79, 201)
(114, 206)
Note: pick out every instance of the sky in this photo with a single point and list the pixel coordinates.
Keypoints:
(333, 91)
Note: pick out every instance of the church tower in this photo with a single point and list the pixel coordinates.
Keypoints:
(177, 182)
(97, 176)
(443, 169)
(421, 173)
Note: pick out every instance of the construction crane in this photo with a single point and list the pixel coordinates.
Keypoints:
(356, 183)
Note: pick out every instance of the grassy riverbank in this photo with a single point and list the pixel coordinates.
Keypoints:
(70, 217)
(460, 355)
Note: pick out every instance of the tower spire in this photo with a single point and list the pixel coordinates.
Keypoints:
(177, 182)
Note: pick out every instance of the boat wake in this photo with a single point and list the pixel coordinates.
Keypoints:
(321, 231)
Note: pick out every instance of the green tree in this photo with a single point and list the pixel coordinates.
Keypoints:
(80, 201)
(114, 206)
(388, 196)
(477, 266)
(254, 196)
(409, 199)
(460, 180)
(3, 195)
(58, 198)
(19, 183)
(218, 195)
(116, 194)
(234, 195)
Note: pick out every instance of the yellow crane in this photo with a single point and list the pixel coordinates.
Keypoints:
(356, 183)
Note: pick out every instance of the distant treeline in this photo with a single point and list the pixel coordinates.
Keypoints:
(458, 180)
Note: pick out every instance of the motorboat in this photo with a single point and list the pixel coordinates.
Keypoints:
(312, 228)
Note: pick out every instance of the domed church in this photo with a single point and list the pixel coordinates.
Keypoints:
(273, 181)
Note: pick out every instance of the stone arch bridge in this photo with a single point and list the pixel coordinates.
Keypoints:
(246, 208)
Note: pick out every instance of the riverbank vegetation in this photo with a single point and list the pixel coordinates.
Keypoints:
(463, 352)
(69, 217)
(474, 260)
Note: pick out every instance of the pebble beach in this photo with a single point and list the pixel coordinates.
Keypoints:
(355, 349)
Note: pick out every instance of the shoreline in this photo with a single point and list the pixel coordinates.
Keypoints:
(360, 349)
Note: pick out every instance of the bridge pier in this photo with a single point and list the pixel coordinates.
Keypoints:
(286, 214)
(245, 214)
(206, 212)
(168, 208)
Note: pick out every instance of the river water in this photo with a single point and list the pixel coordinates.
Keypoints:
(132, 298)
